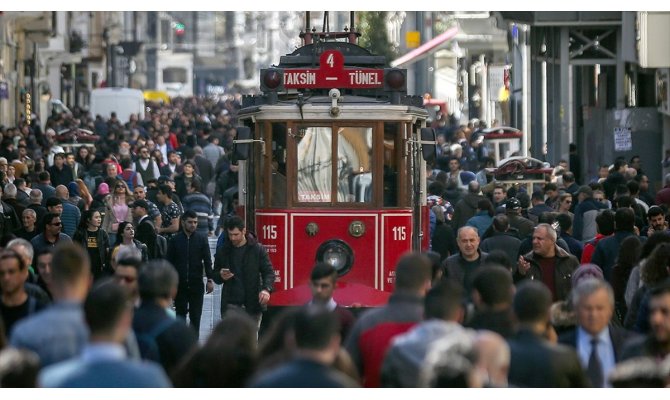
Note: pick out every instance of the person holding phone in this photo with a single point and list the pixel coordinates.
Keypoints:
(243, 267)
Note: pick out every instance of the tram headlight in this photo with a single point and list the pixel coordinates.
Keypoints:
(395, 79)
(338, 254)
(272, 80)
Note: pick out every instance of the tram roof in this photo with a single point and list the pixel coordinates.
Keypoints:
(318, 108)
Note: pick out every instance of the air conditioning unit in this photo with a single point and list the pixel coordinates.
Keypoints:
(663, 90)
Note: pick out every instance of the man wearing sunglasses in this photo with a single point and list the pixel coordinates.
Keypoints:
(51, 233)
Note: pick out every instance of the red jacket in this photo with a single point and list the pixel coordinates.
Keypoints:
(589, 248)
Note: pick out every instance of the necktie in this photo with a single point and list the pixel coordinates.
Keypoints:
(595, 368)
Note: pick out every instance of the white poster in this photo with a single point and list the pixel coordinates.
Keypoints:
(622, 139)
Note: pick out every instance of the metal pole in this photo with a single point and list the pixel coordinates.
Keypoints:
(525, 92)
(543, 96)
(484, 95)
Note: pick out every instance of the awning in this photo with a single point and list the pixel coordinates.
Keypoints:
(425, 49)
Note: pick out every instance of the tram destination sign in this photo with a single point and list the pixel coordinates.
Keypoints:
(333, 74)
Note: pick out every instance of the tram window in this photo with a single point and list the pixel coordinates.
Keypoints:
(315, 175)
(354, 172)
(278, 181)
(391, 135)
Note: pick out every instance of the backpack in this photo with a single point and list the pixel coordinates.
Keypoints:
(161, 246)
(147, 341)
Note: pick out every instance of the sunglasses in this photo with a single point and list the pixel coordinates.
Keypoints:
(56, 224)
(120, 187)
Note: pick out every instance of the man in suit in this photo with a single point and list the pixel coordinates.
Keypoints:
(598, 344)
(146, 232)
(108, 312)
(535, 361)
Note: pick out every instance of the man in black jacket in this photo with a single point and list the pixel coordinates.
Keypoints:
(535, 361)
(189, 253)
(244, 268)
(146, 231)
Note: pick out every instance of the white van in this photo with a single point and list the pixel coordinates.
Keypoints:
(122, 101)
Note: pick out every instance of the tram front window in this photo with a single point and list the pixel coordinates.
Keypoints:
(353, 168)
(354, 173)
(315, 160)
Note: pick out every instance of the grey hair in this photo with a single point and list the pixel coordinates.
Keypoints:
(29, 211)
(589, 286)
(30, 252)
(462, 228)
(128, 252)
(35, 194)
(10, 190)
(550, 230)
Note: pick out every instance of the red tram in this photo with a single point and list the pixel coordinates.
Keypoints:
(332, 168)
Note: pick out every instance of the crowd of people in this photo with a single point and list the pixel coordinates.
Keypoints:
(105, 253)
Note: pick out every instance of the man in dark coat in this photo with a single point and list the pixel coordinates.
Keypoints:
(146, 231)
(501, 239)
(462, 266)
(548, 263)
(189, 252)
(60, 173)
(523, 226)
(243, 267)
(607, 249)
(467, 206)
(535, 361)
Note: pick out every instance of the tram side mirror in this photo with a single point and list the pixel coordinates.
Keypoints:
(428, 146)
(241, 150)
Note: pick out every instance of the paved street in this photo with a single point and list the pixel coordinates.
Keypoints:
(211, 310)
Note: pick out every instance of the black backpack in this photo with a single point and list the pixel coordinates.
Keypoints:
(161, 246)
(147, 341)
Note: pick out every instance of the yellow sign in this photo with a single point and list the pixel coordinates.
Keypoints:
(412, 39)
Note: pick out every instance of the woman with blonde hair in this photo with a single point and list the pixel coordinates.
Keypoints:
(84, 193)
(116, 209)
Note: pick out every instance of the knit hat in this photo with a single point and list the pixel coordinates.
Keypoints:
(586, 271)
(73, 188)
(103, 188)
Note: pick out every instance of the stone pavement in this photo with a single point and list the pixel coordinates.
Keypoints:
(211, 307)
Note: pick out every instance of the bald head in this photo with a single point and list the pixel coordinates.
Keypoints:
(473, 187)
(493, 357)
(62, 192)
